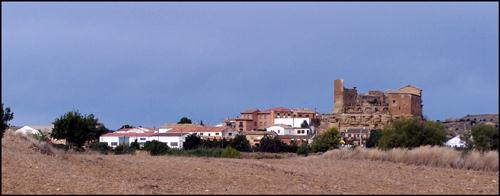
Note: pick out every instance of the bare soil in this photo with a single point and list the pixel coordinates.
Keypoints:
(27, 171)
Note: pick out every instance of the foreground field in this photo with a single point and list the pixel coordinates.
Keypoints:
(27, 171)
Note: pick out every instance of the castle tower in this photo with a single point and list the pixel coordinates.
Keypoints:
(338, 96)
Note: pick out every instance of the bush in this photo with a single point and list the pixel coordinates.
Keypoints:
(303, 150)
(135, 145)
(124, 149)
(192, 142)
(229, 152)
(240, 143)
(484, 137)
(271, 144)
(411, 133)
(101, 147)
(328, 140)
(41, 136)
(61, 146)
(156, 147)
(374, 138)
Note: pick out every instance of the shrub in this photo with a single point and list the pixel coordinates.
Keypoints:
(303, 150)
(330, 139)
(229, 152)
(240, 143)
(484, 137)
(373, 139)
(61, 146)
(101, 147)
(271, 144)
(135, 145)
(124, 149)
(411, 133)
(192, 141)
(41, 136)
(156, 147)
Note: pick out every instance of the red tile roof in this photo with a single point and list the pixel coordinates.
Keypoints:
(279, 109)
(186, 129)
(142, 134)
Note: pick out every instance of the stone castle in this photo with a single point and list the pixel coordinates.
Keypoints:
(372, 110)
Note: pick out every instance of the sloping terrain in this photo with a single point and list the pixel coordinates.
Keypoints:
(26, 170)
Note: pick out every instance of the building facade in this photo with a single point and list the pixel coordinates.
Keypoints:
(371, 110)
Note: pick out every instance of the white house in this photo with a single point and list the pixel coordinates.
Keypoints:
(173, 140)
(281, 129)
(27, 130)
(294, 122)
(455, 142)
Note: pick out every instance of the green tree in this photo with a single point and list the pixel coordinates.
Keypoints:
(328, 140)
(303, 149)
(101, 147)
(77, 129)
(271, 144)
(485, 137)
(156, 147)
(184, 120)
(7, 116)
(192, 142)
(304, 124)
(373, 139)
(201, 123)
(411, 133)
(135, 145)
(240, 143)
(229, 152)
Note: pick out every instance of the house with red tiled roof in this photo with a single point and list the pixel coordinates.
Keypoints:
(255, 119)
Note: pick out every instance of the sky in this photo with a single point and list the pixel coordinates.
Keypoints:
(147, 64)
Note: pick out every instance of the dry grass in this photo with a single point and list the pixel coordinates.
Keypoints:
(425, 155)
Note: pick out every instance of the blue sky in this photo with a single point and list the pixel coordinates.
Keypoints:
(152, 63)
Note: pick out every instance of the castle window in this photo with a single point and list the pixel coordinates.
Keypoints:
(393, 101)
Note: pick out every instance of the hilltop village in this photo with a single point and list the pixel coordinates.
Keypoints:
(354, 114)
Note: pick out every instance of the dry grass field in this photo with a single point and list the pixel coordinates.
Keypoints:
(25, 170)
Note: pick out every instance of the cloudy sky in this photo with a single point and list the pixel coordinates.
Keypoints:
(152, 63)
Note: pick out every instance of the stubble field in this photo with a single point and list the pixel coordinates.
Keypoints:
(27, 171)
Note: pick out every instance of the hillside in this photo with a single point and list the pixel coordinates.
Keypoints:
(27, 171)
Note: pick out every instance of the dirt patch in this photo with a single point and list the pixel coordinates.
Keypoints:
(27, 171)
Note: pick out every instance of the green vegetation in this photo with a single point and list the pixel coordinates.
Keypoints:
(7, 116)
(328, 140)
(77, 129)
(240, 143)
(192, 141)
(411, 133)
(126, 127)
(374, 138)
(229, 152)
(484, 137)
(184, 120)
(124, 149)
(304, 124)
(156, 147)
(101, 147)
(135, 145)
(303, 150)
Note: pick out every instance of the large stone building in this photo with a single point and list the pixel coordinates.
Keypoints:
(371, 110)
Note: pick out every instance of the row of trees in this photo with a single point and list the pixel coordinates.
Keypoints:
(411, 133)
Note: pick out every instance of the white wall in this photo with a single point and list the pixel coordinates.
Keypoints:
(169, 139)
(294, 122)
(278, 130)
(109, 140)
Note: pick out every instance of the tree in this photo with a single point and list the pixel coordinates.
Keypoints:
(201, 123)
(192, 141)
(271, 144)
(184, 120)
(135, 145)
(373, 139)
(484, 137)
(304, 124)
(240, 143)
(126, 126)
(411, 133)
(156, 147)
(7, 116)
(77, 129)
(328, 140)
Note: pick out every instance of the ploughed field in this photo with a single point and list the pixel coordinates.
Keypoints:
(25, 170)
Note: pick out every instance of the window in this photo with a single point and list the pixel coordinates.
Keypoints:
(209, 134)
(142, 138)
(216, 133)
(114, 143)
(307, 115)
(241, 129)
(278, 131)
(230, 134)
(300, 115)
(201, 133)
(173, 144)
(393, 101)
